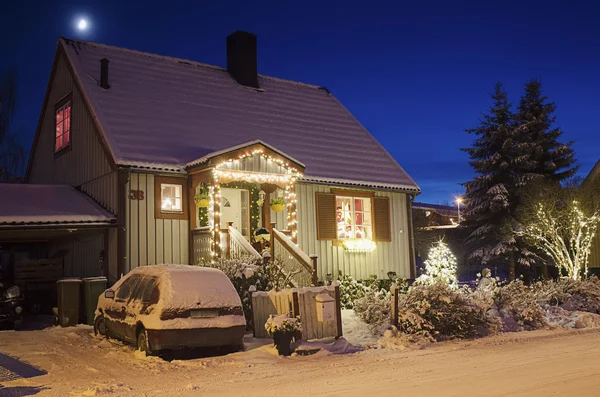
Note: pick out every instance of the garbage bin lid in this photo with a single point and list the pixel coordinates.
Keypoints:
(70, 280)
(89, 279)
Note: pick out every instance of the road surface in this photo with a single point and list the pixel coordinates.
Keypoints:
(72, 362)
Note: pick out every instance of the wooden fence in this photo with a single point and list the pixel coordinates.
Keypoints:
(300, 302)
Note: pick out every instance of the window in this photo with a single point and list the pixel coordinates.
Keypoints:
(353, 217)
(63, 126)
(128, 287)
(147, 290)
(171, 197)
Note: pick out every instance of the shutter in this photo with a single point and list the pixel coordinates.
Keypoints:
(382, 220)
(326, 226)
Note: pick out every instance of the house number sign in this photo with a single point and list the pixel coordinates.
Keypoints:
(136, 194)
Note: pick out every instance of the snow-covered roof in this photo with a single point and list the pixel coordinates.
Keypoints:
(163, 113)
(444, 210)
(25, 204)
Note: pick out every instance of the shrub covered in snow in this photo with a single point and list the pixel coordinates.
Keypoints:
(440, 266)
(569, 294)
(518, 307)
(282, 323)
(439, 312)
(351, 290)
(374, 309)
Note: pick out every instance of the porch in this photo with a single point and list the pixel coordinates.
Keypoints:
(243, 204)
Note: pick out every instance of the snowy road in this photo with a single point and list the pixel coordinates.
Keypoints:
(539, 363)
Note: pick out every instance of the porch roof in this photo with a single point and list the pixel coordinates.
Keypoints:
(49, 205)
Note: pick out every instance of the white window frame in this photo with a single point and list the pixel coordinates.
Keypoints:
(178, 188)
(353, 213)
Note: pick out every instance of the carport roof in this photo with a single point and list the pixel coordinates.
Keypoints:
(49, 205)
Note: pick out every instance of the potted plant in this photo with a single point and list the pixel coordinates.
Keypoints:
(278, 204)
(202, 199)
(283, 329)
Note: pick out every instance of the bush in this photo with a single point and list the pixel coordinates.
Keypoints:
(374, 309)
(518, 307)
(438, 312)
(352, 290)
(582, 295)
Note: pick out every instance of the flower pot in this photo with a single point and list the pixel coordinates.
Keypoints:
(202, 203)
(282, 342)
(277, 207)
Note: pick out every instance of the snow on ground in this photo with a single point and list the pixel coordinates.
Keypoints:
(355, 331)
(539, 363)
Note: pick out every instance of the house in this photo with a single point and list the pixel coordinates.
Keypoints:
(188, 161)
(594, 259)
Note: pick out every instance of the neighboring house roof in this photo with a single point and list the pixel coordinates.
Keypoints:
(593, 173)
(444, 210)
(31, 205)
(163, 113)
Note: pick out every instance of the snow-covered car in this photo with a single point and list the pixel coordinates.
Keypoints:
(165, 307)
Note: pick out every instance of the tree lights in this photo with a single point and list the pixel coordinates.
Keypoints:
(565, 233)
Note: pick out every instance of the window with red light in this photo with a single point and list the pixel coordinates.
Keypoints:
(63, 127)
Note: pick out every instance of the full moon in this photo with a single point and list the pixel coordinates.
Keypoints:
(82, 25)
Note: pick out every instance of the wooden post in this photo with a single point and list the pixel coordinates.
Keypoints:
(394, 293)
(251, 291)
(229, 224)
(338, 309)
(315, 276)
(272, 227)
(295, 304)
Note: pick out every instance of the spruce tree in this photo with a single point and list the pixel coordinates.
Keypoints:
(547, 158)
(491, 197)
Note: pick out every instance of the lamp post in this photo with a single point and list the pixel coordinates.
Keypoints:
(459, 200)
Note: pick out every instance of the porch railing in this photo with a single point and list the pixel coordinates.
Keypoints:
(238, 246)
(295, 264)
(201, 244)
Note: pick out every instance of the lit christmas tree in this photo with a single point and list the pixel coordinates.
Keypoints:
(440, 266)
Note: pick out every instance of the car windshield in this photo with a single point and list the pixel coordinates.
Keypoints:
(128, 286)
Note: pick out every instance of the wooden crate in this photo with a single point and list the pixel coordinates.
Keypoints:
(38, 273)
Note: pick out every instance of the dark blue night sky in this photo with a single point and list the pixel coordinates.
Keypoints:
(416, 74)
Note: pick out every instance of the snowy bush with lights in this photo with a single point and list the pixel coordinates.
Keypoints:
(440, 266)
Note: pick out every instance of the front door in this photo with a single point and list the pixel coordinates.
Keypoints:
(235, 205)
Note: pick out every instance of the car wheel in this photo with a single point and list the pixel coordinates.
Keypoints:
(100, 326)
(18, 324)
(142, 342)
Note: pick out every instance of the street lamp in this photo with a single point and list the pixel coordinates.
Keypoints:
(458, 200)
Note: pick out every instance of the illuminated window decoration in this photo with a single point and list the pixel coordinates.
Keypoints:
(63, 127)
(353, 217)
(171, 197)
(359, 245)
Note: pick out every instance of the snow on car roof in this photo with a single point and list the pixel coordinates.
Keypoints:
(185, 286)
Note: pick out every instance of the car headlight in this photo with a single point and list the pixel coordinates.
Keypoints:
(13, 292)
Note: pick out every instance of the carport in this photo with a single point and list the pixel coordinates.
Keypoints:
(48, 232)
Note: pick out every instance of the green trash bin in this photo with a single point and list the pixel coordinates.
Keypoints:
(93, 287)
(69, 290)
